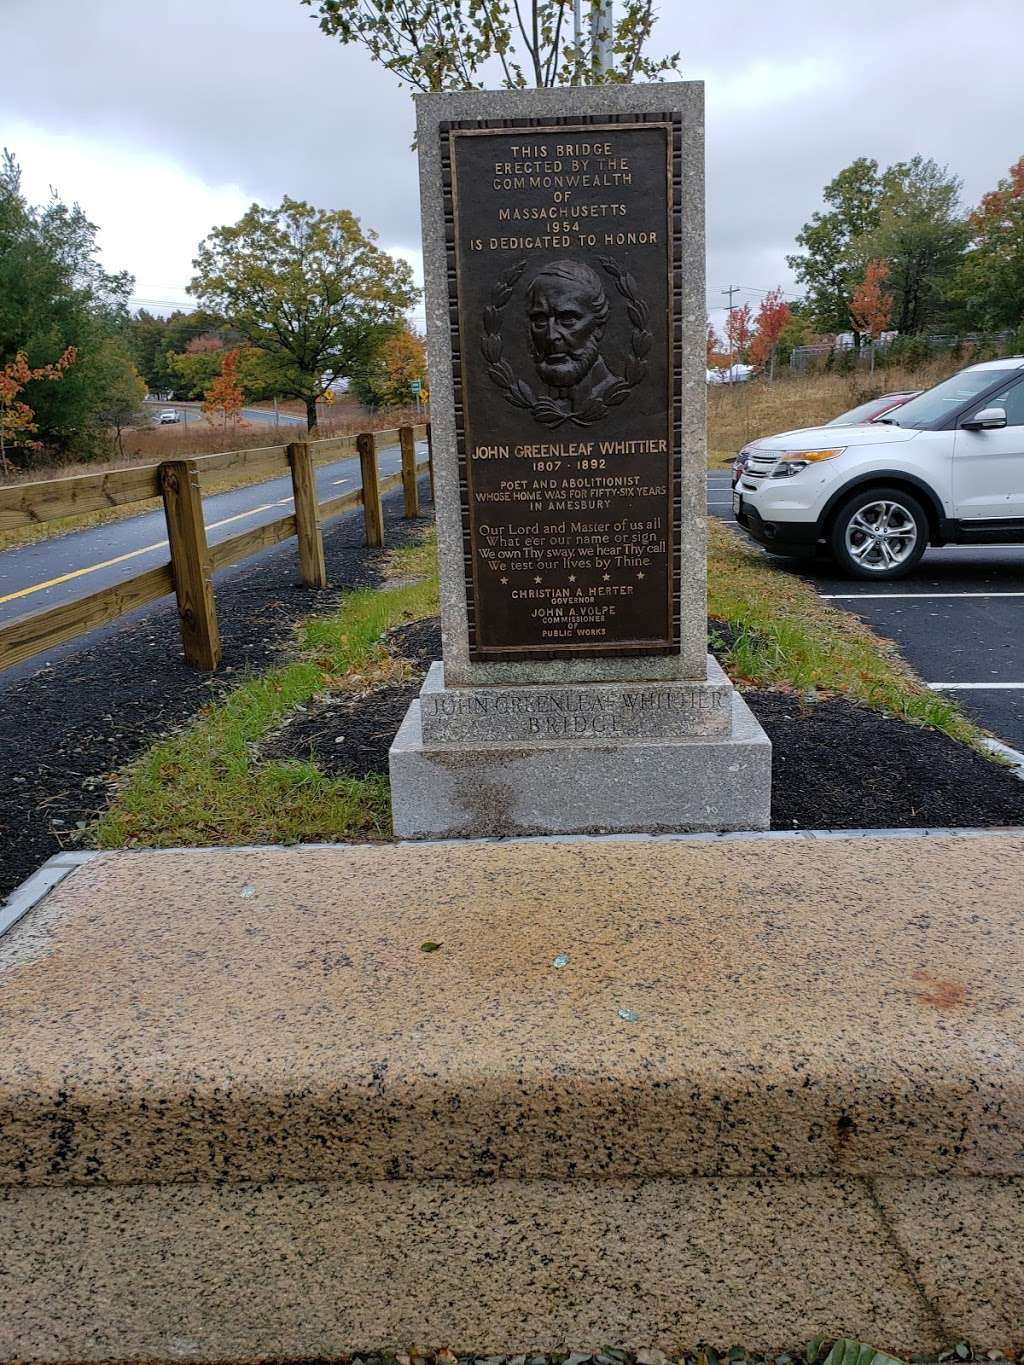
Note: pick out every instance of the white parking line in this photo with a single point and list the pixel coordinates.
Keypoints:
(977, 687)
(855, 596)
(1013, 756)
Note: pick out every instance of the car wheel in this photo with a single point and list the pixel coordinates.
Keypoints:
(879, 533)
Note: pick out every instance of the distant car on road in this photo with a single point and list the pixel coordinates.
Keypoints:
(729, 374)
(168, 416)
(946, 468)
(870, 411)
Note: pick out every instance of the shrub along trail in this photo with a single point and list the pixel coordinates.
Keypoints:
(68, 728)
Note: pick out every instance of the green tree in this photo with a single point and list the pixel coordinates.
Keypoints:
(828, 264)
(921, 234)
(308, 288)
(907, 214)
(444, 44)
(122, 386)
(795, 331)
(194, 370)
(154, 340)
(53, 295)
(989, 288)
(387, 380)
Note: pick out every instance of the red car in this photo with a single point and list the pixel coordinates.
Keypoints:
(872, 409)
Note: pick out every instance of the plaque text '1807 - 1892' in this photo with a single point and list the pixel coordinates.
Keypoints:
(564, 306)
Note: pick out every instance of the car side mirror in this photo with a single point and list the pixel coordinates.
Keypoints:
(985, 420)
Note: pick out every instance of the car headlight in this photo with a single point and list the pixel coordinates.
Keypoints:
(792, 461)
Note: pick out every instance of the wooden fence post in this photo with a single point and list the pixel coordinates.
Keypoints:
(410, 483)
(430, 460)
(307, 515)
(373, 513)
(190, 562)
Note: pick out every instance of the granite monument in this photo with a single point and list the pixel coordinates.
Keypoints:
(564, 256)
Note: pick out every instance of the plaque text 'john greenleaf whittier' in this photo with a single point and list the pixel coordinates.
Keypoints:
(564, 305)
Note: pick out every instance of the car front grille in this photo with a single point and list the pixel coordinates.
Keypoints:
(760, 464)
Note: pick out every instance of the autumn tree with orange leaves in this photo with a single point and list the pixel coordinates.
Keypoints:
(17, 420)
(772, 316)
(871, 307)
(224, 397)
(386, 381)
(738, 332)
(715, 353)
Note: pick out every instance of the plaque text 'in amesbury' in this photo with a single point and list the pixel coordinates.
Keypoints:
(563, 250)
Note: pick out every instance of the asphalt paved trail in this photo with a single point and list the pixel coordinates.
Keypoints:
(34, 577)
(958, 618)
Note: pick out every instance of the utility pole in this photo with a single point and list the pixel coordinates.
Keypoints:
(733, 289)
(602, 23)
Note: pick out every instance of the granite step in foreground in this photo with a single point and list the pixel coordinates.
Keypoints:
(510, 1096)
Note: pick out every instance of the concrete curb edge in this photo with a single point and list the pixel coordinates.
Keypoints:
(31, 891)
(41, 883)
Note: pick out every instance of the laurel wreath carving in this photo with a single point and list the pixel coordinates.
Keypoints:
(544, 409)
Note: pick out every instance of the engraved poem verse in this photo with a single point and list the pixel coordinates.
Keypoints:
(562, 306)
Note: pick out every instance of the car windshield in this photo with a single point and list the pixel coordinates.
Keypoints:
(863, 413)
(931, 408)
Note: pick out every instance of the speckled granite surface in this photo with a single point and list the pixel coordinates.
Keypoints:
(763, 1008)
(232, 1272)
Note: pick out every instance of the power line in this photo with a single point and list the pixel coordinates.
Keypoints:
(754, 289)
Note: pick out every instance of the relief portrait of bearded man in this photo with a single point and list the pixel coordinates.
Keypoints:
(567, 310)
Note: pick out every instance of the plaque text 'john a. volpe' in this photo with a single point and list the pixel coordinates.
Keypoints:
(563, 313)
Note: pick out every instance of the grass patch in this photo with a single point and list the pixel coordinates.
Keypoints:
(783, 633)
(206, 786)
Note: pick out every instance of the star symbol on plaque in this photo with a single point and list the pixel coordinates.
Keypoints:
(640, 575)
(536, 578)
(572, 578)
(607, 578)
(504, 580)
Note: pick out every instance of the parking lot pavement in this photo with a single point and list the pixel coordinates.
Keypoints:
(720, 495)
(958, 619)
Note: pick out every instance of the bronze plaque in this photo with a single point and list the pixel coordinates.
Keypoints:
(564, 296)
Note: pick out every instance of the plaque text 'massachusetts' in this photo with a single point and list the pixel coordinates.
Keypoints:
(564, 305)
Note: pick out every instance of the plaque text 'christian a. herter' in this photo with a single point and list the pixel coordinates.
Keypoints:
(564, 297)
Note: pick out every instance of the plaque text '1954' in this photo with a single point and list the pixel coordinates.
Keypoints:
(564, 310)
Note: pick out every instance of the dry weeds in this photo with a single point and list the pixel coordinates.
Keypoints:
(738, 413)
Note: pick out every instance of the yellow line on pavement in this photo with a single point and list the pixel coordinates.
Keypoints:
(131, 554)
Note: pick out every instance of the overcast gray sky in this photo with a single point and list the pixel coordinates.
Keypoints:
(164, 120)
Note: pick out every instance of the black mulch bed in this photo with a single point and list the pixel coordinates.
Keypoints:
(67, 728)
(835, 765)
(351, 735)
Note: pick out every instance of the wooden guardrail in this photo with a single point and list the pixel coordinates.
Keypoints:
(189, 571)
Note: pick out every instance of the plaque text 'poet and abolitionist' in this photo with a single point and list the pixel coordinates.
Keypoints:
(563, 311)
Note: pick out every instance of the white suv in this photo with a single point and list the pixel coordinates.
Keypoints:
(947, 467)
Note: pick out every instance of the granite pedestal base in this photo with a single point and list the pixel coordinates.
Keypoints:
(579, 759)
(645, 1092)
